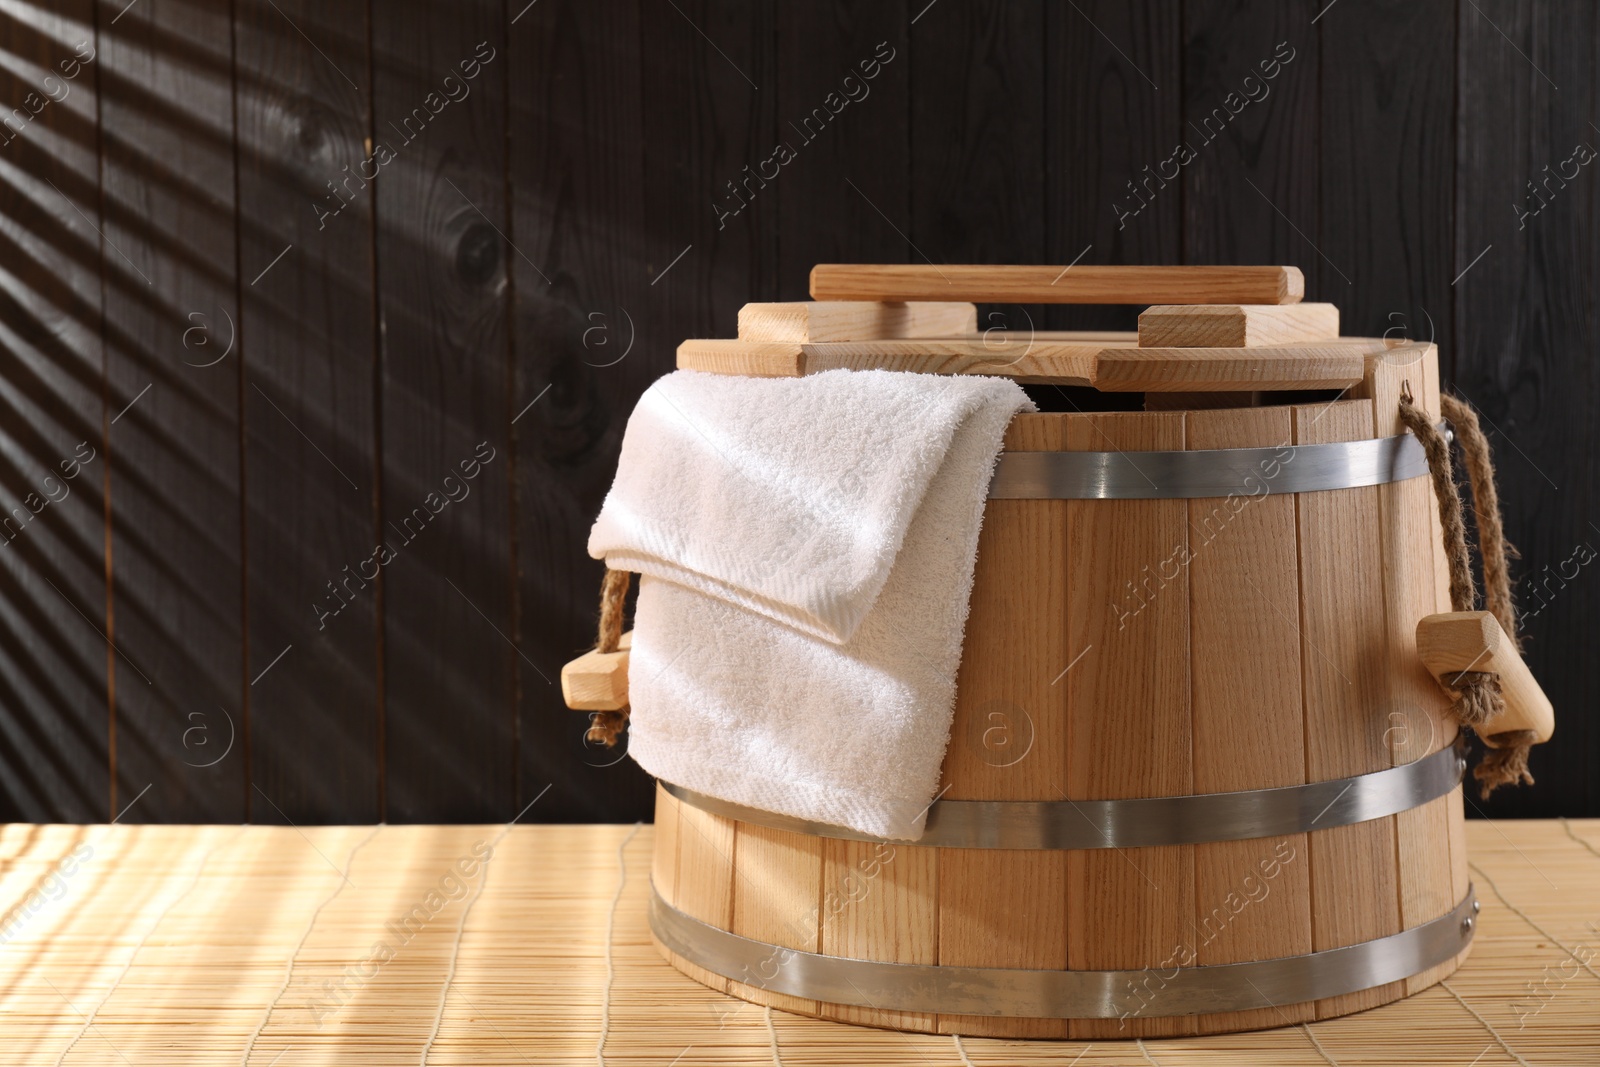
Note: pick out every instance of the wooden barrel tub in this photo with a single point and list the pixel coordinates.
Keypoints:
(1252, 641)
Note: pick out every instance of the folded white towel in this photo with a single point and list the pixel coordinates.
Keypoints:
(808, 548)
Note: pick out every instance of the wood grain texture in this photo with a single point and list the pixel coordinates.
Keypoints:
(854, 320)
(1404, 282)
(309, 408)
(1008, 739)
(1252, 898)
(778, 898)
(867, 144)
(450, 664)
(664, 852)
(889, 911)
(1131, 370)
(1105, 66)
(167, 186)
(1516, 361)
(598, 681)
(705, 878)
(585, 344)
(1048, 358)
(1344, 658)
(1085, 284)
(1250, 104)
(57, 737)
(1473, 641)
(1128, 615)
(1235, 325)
(1419, 719)
(978, 180)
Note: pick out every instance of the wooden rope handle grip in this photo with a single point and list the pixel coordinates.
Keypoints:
(1453, 642)
(598, 681)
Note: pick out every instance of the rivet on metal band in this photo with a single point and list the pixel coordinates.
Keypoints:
(1157, 991)
(1148, 821)
(1216, 472)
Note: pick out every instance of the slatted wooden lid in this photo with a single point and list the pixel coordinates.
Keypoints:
(1206, 329)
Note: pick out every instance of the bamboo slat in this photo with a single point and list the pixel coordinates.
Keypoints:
(179, 940)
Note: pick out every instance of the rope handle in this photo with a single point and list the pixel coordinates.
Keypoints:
(606, 727)
(1479, 697)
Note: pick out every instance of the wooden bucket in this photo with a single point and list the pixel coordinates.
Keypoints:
(1243, 639)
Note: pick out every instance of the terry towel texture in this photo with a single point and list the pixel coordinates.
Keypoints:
(808, 548)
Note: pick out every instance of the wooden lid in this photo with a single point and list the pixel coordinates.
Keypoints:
(1210, 329)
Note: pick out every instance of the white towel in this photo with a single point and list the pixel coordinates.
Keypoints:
(808, 548)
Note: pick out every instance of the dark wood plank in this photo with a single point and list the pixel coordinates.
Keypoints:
(708, 110)
(856, 59)
(449, 658)
(310, 423)
(54, 723)
(167, 177)
(977, 150)
(583, 296)
(1113, 96)
(1526, 322)
(1250, 122)
(1387, 164)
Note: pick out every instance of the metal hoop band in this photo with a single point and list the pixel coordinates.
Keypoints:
(1216, 472)
(1148, 821)
(1157, 991)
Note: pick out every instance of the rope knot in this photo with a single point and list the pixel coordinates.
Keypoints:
(606, 727)
(1478, 697)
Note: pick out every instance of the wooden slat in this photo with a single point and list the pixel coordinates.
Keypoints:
(1113, 367)
(583, 350)
(310, 425)
(1252, 898)
(1128, 708)
(1081, 284)
(1536, 419)
(1069, 362)
(664, 854)
(55, 730)
(1306, 366)
(1344, 659)
(1419, 719)
(854, 320)
(816, 218)
(167, 168)
(1008, 740)
(894, 918)
(1236, 325)
(705, 877)
(450, 670)
(778, 898)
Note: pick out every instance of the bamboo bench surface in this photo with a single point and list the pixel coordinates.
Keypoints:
(175, 945)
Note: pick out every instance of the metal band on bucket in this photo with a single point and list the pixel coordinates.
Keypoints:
(1157, 991)
(1148, 821)
(1214, 472)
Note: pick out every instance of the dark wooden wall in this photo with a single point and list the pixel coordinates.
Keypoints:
(259, 354)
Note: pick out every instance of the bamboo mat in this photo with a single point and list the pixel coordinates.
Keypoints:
(224, 945)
